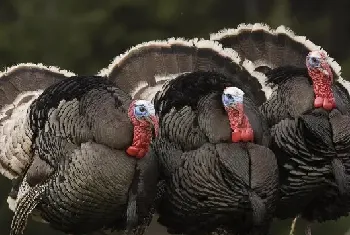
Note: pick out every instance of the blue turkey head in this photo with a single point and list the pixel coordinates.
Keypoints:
(318, 61)
(232, 97)
(144, 109)
(314, 59)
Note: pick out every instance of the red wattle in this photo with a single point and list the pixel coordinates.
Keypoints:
(236, 136)
(132, 151)
(318, 103)
(328, 104)
(322, 80)
(240, 126)
(142, 135)
(247, 135)
(136, 152)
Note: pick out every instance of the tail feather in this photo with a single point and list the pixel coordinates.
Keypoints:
(145, 68)
(24, 208)
(272, 48)
(265, 46)
(28, 77)
(19, 86)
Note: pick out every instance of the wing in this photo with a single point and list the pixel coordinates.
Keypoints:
(197, 195)
(256, 167)
(215, 181)
(342, 97)
(92, 188)
(181, 128)
(290, 100)
(72, 109)
(144, 69)
(19, 86)
(299, 145)
(340, 125)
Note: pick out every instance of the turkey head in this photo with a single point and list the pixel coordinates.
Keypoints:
(142, 116)
(232, 99)
(322, 78)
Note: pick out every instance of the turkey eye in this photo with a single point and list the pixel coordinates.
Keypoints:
(142, 109)
(229, 96)
(313, 59)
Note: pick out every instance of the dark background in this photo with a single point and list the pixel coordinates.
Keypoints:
(85, 35)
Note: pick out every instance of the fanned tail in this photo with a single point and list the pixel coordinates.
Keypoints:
(265, 46)
(19, 86)
(145, 68)
(272, 48)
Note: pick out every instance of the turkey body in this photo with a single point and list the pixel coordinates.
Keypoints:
(212, 183)
(312, 147)
(81, 179)
(310, 143)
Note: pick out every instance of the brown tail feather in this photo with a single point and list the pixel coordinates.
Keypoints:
(19, 86)
(143, 69)
(265, 46)
(28, 77)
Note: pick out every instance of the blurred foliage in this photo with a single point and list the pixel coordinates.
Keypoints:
(85, 35)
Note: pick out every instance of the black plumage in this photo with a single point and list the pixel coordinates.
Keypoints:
(77, 175)
(311, 144)
(212, 184)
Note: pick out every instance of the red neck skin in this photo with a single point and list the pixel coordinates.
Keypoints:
(142, 134)
(240, 125)
(322, 84)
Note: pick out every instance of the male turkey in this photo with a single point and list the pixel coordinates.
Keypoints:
(141, 72)
(308, 114)
(219, 174)
(78, 149)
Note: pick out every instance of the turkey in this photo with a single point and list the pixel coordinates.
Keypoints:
(211, 146)
(77, 148)
(308, 114)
